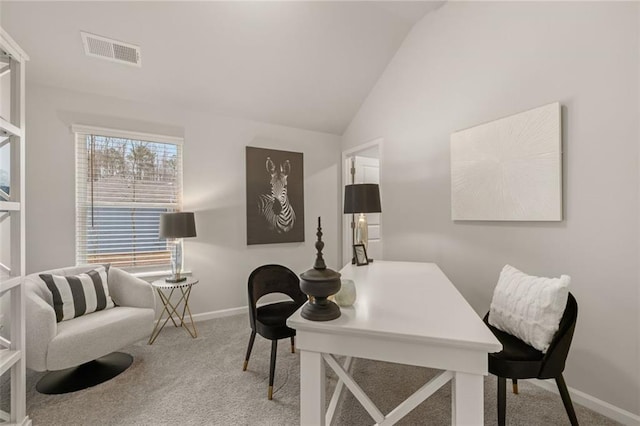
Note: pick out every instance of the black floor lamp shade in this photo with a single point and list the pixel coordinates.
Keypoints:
(362, 198)
(177, 225)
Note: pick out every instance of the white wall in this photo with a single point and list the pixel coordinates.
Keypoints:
(214, 187)
(468, 63)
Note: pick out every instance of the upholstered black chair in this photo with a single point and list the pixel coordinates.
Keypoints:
(517, 360)
(270, 320)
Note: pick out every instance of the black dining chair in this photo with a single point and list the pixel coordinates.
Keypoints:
(270, 320)
(518, 360)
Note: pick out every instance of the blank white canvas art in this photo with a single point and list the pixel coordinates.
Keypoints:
(509, 169)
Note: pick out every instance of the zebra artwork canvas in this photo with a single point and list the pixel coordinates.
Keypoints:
(275, 196)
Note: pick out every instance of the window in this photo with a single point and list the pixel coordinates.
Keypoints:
(124, 181)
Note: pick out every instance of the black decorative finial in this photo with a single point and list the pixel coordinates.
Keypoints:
(319, 265)
(320, 282)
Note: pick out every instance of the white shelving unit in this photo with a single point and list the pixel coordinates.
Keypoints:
(12, 132)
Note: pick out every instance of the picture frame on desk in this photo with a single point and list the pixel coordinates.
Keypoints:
(360, 254)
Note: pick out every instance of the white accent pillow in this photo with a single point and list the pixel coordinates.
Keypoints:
(529, 307)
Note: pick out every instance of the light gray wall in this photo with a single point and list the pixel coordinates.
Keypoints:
(468, 63)
(214, 187)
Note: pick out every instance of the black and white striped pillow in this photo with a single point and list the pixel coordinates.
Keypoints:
(77, 295)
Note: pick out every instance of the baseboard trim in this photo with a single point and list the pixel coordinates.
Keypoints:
(228, 312)
(599, 406)
(219, 314)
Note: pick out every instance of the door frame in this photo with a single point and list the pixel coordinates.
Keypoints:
(345, 245)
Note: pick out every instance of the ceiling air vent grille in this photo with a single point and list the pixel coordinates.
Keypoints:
(111, 50)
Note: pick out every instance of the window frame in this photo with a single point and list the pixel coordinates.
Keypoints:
(78, 130)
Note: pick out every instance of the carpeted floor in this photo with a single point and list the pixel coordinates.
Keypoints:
(184, 381)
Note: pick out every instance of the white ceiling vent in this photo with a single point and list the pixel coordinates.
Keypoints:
(111, 50)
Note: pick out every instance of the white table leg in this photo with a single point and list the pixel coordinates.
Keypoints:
(467, 398)
(312, 389)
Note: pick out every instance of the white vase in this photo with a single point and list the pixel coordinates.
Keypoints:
(347, 294)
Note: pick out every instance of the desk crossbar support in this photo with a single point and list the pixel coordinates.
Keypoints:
(335, 398)
(355, 389)
(397, 413)
(417, 398)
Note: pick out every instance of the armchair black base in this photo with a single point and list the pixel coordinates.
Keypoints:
(84, 376)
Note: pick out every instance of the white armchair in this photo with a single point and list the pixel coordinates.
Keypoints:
(79, 353)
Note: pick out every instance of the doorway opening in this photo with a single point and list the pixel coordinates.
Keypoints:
(362, 165)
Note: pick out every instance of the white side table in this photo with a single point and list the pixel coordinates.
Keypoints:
(184, 290)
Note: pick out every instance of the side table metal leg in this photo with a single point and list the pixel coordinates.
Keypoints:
(173, 310)
(158, 328)
(175, 324)
(186, 309)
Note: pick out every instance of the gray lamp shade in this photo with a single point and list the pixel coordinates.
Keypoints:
(362, 198)
(177, 225)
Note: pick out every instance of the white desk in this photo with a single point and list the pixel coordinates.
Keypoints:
(407, 313)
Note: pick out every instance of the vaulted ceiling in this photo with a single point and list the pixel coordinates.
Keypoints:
(308, 65)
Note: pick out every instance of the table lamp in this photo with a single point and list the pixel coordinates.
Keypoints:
(361, 198)
(176, 226)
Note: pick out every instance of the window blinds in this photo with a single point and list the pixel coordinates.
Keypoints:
(124, 181)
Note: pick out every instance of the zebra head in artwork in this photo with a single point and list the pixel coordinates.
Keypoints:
(275, 207)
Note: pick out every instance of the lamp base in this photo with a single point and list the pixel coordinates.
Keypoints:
(362, 231)
(175, 280)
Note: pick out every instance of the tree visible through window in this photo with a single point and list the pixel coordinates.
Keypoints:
(123, 186)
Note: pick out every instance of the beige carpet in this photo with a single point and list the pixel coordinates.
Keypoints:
(184, 381)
